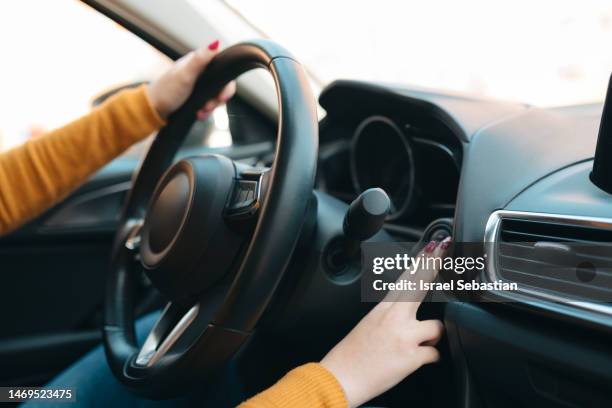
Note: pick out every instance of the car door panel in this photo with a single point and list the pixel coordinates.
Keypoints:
(53, 278)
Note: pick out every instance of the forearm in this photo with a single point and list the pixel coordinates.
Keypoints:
(310, 385)
(37, 174)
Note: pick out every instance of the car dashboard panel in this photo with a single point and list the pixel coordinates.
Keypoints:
(487, 163)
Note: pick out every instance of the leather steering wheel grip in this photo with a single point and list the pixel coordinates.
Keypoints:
(274, 238)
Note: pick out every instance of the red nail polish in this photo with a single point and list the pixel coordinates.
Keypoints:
(213, 45)
(430, 247)
(446, 244)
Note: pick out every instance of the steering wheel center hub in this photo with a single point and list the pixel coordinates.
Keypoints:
(169, 211)
(184, 227)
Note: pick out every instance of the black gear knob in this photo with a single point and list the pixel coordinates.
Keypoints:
(366, 214)
(364, 218)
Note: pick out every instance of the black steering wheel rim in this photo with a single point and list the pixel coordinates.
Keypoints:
(275, 235)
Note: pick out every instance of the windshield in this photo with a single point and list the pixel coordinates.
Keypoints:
(539, 52)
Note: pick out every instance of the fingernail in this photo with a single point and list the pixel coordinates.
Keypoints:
(210, 106)
(201, 115)
(213, 45)
(446, 243)
(430, 247)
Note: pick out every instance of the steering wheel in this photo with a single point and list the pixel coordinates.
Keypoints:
(213, 236)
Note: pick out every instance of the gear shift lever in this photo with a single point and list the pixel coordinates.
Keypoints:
(364, 218)
(366, 214)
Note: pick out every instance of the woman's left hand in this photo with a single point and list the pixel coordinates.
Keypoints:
(168, 92)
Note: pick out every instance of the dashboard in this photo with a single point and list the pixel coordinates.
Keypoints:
(511, 177)
(444, 155)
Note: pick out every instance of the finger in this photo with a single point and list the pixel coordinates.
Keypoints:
(202, 114)
(432, 261)
(436, 261)
(207, 109)
(428, 355)
(210, 105)
(199, 59)
(426, 265)
(227, 93)
(429, 331)
(409, 275)
(443, 247)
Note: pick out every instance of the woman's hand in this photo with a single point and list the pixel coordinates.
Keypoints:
(388, 344)
(171, 90)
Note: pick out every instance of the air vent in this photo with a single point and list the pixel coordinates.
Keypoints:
(563, 258)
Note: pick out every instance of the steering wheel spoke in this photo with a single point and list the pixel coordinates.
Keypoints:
(172, 323)
(132, 242)
(177, 327)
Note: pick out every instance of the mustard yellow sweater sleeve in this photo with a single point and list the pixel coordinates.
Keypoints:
(308, 386)
(39, 173)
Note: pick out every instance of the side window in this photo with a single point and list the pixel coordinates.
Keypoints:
(59, 58)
